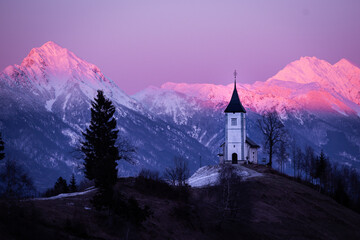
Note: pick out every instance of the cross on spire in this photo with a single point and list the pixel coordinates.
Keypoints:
(235, 74)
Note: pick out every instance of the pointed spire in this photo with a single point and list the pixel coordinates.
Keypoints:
(235, 74)
(235, 104)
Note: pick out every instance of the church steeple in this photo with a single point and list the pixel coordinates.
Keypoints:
(235, 104)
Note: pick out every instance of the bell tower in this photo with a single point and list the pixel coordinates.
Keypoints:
(235, 130)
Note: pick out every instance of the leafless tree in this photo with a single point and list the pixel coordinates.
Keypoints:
(309, 162)
(228, 180)
(282, 156)
(273, 130)
(15, 183)
(179, 172)
(126, 150)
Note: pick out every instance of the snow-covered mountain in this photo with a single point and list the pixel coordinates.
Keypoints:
(318, 102)
(46, 105)
(308, 83)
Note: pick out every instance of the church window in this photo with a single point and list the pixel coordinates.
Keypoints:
(233, 122)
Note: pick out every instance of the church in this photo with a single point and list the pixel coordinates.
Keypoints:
(237, 148)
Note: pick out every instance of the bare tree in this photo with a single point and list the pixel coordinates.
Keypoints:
(2, 154)
(309, 161)
(273, 130)
(170, 175)
(282, 155)
(15, 183)
(179, 172)
(300, 162)
(228, 181)
(293, 157)
(126, 149)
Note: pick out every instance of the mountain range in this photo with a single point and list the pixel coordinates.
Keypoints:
(45, 105)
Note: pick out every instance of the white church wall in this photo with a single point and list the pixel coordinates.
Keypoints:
(235, 133)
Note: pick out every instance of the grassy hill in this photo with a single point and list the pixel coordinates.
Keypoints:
(266, 207)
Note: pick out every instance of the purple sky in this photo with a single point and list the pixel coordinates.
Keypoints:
(142, 43)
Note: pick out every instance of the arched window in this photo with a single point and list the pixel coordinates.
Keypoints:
(234, 158)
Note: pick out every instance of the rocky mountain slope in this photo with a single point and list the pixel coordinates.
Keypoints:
(46, 105)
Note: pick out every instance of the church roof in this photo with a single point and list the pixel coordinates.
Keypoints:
(235, 104)
(251, 143)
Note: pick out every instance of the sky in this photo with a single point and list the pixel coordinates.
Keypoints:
(138, 43)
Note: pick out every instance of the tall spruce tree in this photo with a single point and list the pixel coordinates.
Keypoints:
(72, 184)
(99, 148)
(2, 154)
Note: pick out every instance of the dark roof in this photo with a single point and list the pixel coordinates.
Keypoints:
(235, 104)
(251, 143)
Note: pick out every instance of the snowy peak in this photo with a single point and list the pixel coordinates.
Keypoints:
(55, 73)
(306, 84)
(49, 54)
(306, 70)
(55, 60)
(341, 78)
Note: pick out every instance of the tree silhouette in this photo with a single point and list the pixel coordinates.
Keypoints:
(273, 130)
(60, 186)
(15, 183)
(2, 154)
(72, 185)
(282, 155)
(100, 150)
(179, 172)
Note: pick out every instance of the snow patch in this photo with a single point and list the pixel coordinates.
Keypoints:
(65, 195)
(72, 135)
(49, 104)
(66, 100)
(208, 175)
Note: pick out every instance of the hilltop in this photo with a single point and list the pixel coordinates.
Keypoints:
(269, 207)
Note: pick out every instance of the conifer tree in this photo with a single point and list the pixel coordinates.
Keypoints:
(61, 186)
(72, 185)
(100, 150)
(322, 168)
(2, 154)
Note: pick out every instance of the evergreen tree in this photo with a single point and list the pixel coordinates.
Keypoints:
(100, 151)
(60, 186)
(323, 169)
(72, 185)
(2, 154)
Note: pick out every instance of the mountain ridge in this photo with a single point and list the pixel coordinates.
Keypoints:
(46, 109)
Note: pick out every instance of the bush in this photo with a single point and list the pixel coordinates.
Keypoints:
(149, 174)
(129, 209)
(160, 188)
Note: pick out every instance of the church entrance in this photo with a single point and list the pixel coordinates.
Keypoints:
(234, 158)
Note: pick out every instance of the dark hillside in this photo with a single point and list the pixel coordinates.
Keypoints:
(268, 207)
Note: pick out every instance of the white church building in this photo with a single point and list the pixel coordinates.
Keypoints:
(237, 148)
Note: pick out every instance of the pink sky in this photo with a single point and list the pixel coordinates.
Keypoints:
(142, 43)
